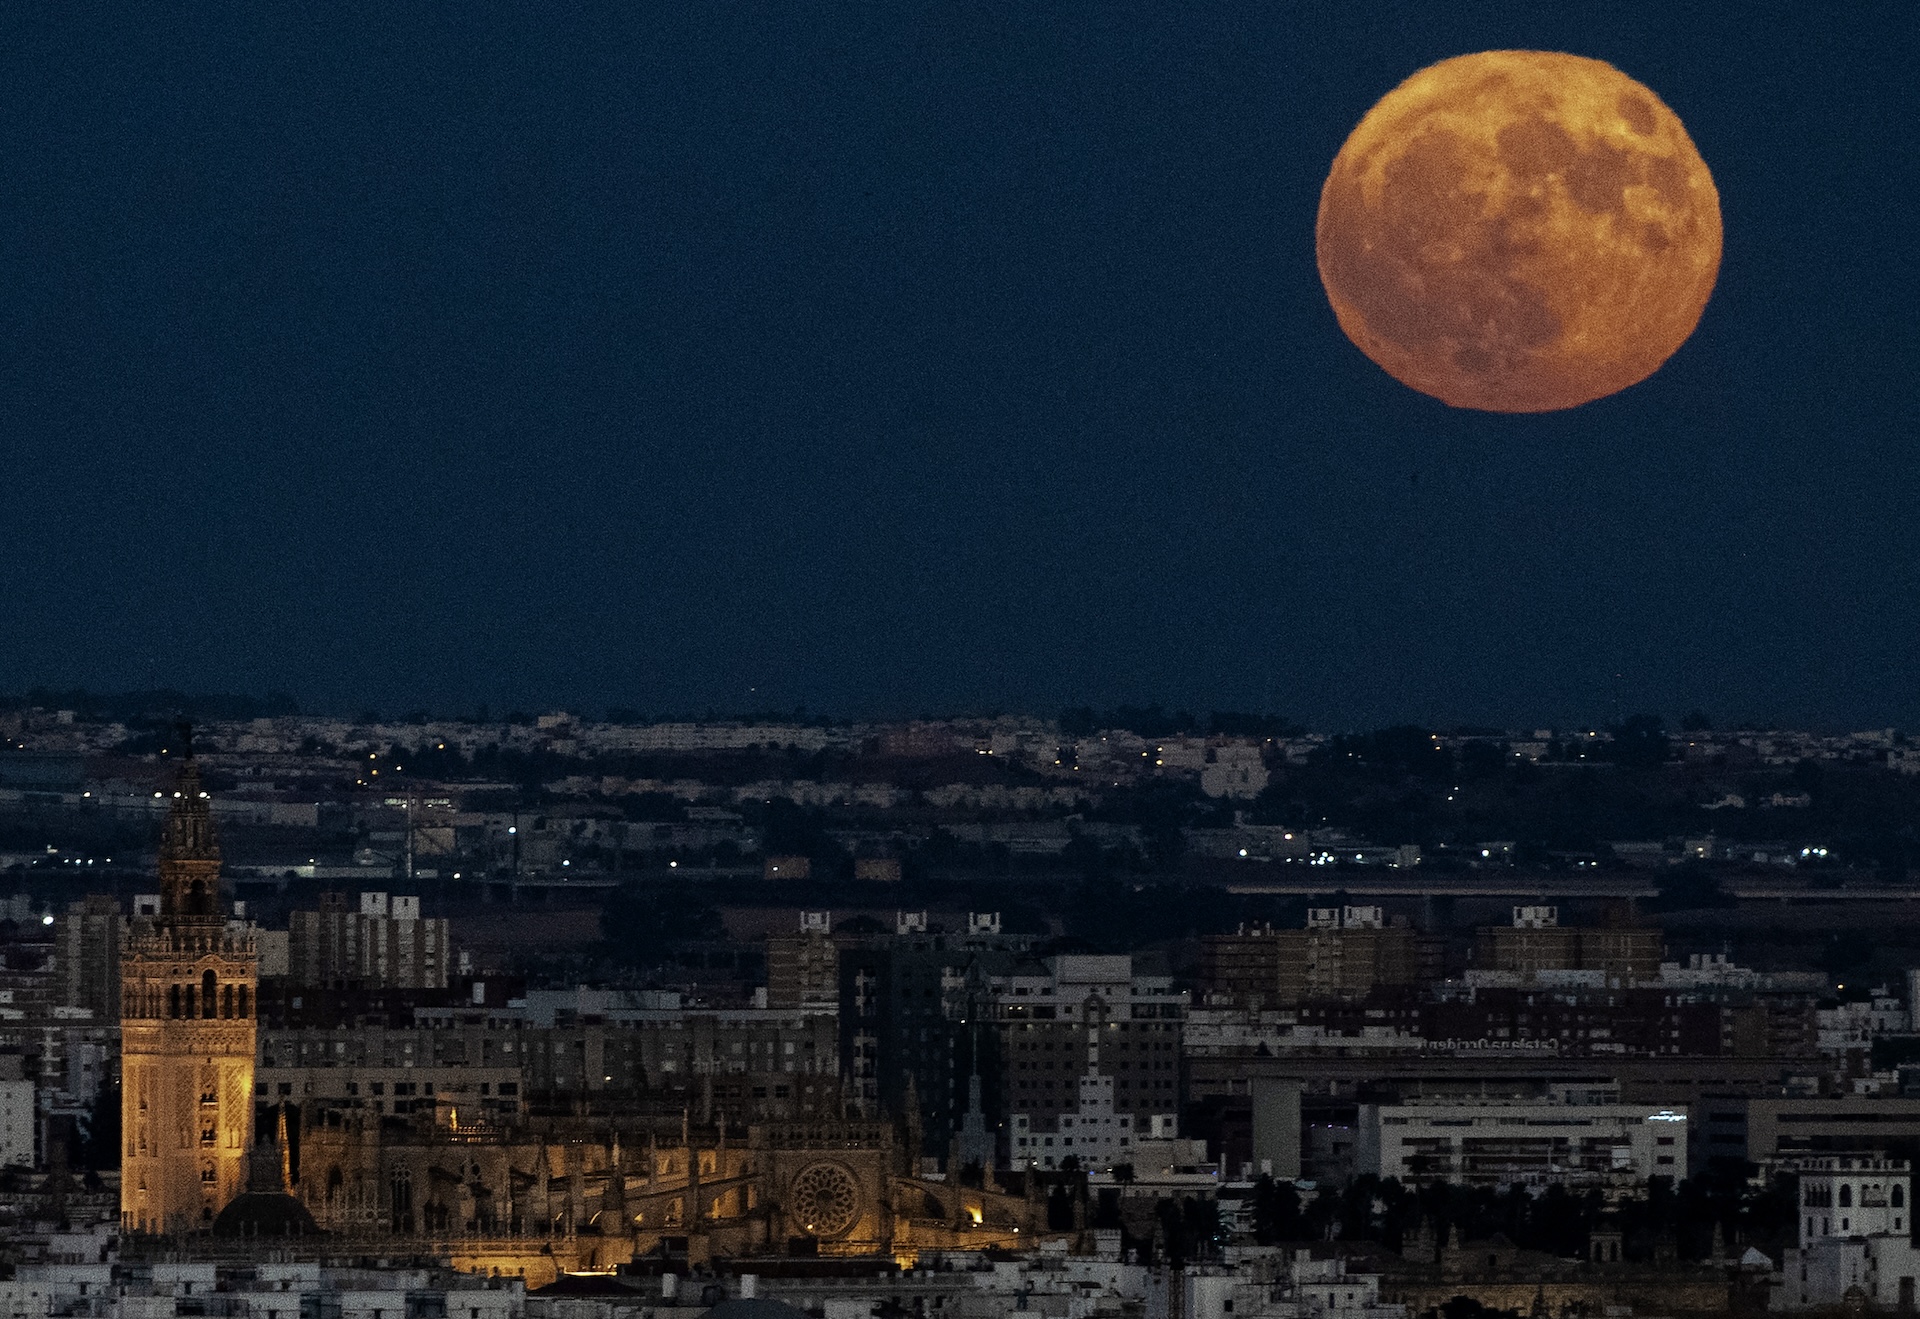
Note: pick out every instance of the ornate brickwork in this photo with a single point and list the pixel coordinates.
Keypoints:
(188, 981)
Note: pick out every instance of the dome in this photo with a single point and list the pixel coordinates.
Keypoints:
(265, 1214)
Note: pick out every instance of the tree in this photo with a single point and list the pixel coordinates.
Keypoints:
(1465, 1307)
(1639, 741)
(1233, 723)
(100, 1132)
(1060, 1208)
(1276, 1211)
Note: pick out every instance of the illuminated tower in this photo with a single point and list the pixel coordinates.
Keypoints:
(187, 980)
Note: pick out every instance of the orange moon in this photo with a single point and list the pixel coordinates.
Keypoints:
(1519, 231)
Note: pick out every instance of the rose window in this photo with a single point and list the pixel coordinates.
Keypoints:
(824, 1200)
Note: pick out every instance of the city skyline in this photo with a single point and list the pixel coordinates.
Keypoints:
(1106, 660)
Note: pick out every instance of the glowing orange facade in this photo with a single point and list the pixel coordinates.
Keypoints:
(189, 981)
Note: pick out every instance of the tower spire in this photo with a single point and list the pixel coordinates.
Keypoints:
(188, 1035)
(189, 847)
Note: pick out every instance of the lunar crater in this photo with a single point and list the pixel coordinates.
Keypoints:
(1489, 236)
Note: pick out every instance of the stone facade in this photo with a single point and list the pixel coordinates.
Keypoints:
(188, 989)
(601, 1193)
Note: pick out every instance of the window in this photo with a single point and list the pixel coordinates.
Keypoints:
(209, 995)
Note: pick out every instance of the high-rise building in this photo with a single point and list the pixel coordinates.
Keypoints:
(1536, 941)
(803, 969)
(1089, 1053)
(913, 1032)
(87, 942)
(1343, 954)
(386, 944)
(188, 988)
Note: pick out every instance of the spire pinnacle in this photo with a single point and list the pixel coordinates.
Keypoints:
(189, 850)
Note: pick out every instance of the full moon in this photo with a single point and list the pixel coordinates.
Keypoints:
(1519, 231)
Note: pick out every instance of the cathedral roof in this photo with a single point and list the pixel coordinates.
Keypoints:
(265, 1214)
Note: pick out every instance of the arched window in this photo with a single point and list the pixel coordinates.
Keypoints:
(1899, 1196)
(209, 995)
(402, 1200)
(243, 1000)
(1846, 1196)
(186, 1007)
(226, 1001)
(197, 898)
(173, 1000)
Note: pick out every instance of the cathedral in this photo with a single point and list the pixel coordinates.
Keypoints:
(560, 1194)
(188, 990)
(531, 1198)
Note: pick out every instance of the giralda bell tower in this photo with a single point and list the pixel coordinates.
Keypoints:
(189, 981)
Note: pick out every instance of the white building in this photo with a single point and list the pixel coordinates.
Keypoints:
(1237, 771)
(1853, 1027)
(1093, 1134)
(1497, 1143)
(1853, 1195)
(16, 1124)
(1092, 1055)
(1833, 1271)
(25, 1300)
(1296, 1286)
(1856, 1236)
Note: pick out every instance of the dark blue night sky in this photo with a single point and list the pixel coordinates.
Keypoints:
(911, 358)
